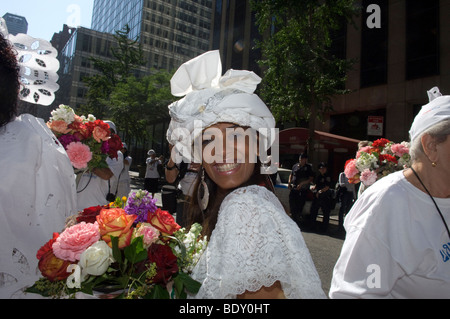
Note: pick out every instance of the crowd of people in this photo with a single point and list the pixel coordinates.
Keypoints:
(397, 239)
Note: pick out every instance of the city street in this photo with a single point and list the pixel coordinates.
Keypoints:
(324, 248)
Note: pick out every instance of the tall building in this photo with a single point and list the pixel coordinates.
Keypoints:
(15, 23)
(235, 33)
(170, 31)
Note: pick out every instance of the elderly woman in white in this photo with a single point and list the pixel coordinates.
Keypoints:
(398, 240)
(255, 249)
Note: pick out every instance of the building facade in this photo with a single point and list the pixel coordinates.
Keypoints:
(397, 62)
(15, 23)
(171, 31)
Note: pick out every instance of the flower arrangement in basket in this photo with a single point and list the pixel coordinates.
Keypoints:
(87, 141)
(380, 158)
(109, 250)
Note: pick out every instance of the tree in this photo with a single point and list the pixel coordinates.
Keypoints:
(126, 57)
(301, 75)
(137, 103)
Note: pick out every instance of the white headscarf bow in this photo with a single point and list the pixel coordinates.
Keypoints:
(437, 110)
(211, 98)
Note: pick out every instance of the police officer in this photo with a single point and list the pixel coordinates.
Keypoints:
(299, 182)
(322, 197)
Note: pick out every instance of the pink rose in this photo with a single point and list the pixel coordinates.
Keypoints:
(350, 168)
(79, 154)
(150, 234)
(100, 131)
(399, 149)
(74, 240)
(368, 177)
(59, 126)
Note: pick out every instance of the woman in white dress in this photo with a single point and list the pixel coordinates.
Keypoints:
(255, 250)
(37, 185)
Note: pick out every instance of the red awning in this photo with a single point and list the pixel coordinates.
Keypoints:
(293, 141)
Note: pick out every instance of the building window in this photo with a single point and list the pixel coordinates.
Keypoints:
(374, 46)
(422, 38)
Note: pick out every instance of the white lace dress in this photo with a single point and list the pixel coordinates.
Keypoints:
(254, 244)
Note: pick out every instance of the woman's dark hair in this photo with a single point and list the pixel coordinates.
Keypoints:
(9, 82)
(208, 219)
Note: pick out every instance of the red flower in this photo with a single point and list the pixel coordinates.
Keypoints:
(52, 267)
(47, 247)
(380, 143)
(115, 144)
(163, 221)
(388, 158)
(89, 214)
(165, 260)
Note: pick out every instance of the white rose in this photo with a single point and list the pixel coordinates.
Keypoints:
(96, 259)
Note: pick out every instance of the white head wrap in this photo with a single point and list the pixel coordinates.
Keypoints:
(437, 110)
(211, 98)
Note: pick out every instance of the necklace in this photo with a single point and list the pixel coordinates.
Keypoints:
(437, 207)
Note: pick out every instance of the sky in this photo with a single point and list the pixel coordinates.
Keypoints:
(46, 17)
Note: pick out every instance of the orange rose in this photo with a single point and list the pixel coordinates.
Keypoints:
(116, 222)
(163, 221)
(52, 267)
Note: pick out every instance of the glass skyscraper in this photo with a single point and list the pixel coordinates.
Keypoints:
(170, 31)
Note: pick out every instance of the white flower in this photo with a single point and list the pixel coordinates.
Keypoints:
(96, 259)
(63, 113)
(366, 161)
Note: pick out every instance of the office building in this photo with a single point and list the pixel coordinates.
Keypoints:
(171, 32)
(15, 23)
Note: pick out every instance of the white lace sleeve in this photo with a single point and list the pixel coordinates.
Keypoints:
(255, 244)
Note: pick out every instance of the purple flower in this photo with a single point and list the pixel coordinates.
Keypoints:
(67, 139)
(105, 147)
(140, 203)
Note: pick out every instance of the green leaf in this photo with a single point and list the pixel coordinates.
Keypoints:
(190, 284)
(116, 251)
(159, 292)
(136, 252)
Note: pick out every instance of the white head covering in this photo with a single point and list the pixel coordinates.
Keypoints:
(437, 110)
(211, 98)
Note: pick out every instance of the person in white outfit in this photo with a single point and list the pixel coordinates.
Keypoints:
(255, 250)
(37, 184)
(397, 241)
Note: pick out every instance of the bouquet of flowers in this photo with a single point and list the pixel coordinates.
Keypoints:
(87, 141)
(107, 250)
(380, 158)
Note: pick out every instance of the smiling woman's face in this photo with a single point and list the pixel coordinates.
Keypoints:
(229, 154)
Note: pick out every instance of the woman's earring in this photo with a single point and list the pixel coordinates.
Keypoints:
(203, 193)
(433, 164)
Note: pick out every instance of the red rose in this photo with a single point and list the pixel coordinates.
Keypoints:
(47, 246)
(89, 214)
(163, 221)
(52, 267)
(165, 260)
(380, 143)
(115, 144)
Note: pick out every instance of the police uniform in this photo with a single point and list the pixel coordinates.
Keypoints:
(297, 198)
(322, 199)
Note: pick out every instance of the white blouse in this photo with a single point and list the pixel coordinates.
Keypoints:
(37, 193)
(254, 244)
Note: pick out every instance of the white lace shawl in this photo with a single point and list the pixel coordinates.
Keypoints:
(254, 244)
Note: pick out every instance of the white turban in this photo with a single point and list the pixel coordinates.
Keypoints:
(437, 110)
(211, 98)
